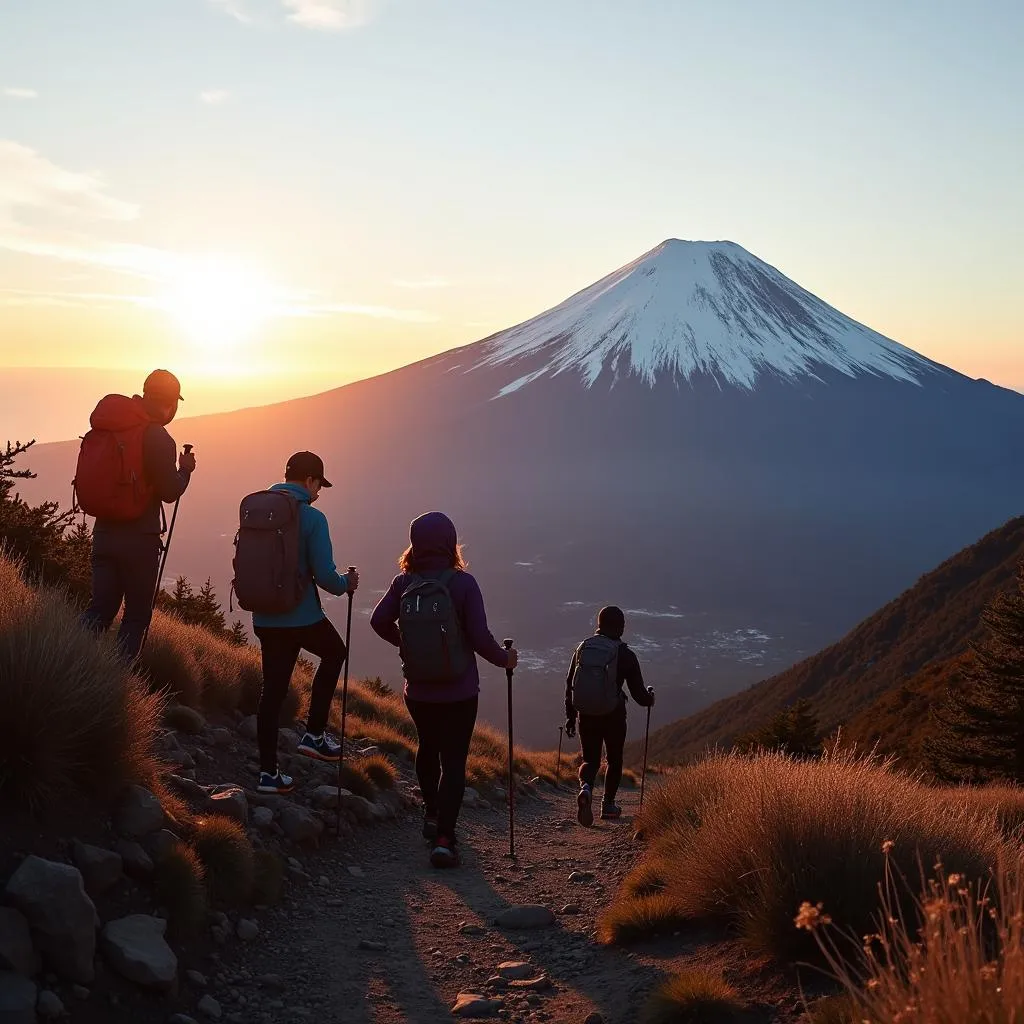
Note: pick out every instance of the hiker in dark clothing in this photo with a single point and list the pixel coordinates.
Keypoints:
(126, 551)
(306, 627)
(444, 710)
(611, 663)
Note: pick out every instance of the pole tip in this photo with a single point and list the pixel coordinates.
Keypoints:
(352, 568)
(507, 643)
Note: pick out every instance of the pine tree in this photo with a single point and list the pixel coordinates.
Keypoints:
(980, 731)
(794, 730)
(238, 636)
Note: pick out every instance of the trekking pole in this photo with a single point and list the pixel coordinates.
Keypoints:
(643, 774)
(511, 781)
(344, 702)
(167, 545)
(558, 766)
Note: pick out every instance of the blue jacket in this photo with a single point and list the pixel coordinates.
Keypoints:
(315, 551)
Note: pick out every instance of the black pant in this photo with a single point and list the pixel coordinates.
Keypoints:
(124, 568)
(445, 732)
(280, 647)
(608, 731)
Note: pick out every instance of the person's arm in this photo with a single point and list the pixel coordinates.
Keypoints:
(321, 556)
(629, 667)
(570, 711)
(160, 464)
(384, 620)
(474, 621)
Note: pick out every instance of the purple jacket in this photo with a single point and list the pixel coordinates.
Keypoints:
(434, 543)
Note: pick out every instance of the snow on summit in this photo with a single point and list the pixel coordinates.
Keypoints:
(690, 309)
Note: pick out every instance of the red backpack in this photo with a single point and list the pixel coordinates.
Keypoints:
(109, 480)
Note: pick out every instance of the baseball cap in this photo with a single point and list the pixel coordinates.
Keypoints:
(306, 464)
(163, 384)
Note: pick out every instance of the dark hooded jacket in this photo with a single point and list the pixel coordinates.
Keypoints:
(434, 542)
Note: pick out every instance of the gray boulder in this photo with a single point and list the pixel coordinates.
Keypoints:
(100, 868)
(247, 728)
(185, 719)
(17, 999)
(16, 950)
(61, 916)
(138, 814)
(228, 801)
(135, 947)
(524, 916)
(49, 1005)
(263, 818)
(209, 1007)
(300, 825)
(137, 863)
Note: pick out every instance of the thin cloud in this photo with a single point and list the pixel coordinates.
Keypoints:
(422, 283)
(328, 15)
(18, 93)
(70, 300)
(234, 8)
(214, 97)
(410, 316)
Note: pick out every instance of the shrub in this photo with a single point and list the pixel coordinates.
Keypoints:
(956, 958)
(751, 838)
(695, 996)
(379, 770)
(641, 917)
(227, 857)
(74, 722)
(355, 781)
(181, 890)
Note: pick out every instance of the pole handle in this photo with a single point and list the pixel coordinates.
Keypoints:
(188, 449)
(507, 643)
(352, 568)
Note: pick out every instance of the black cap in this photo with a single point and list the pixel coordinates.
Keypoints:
(163, 384)
(305, 464)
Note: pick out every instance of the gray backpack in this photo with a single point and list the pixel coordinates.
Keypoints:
(268, 577)
(433, 647)
(595, 683)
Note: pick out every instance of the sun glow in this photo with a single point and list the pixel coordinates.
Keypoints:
(217, 305)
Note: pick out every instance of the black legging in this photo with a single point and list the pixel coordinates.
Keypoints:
(280, 647)
(445, 732)
(608, 731)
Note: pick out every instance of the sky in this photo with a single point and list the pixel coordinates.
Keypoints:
(294, 194)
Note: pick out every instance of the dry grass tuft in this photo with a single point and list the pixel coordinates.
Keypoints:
(832, 1010)
(181, 890)
(356, 782)
(227, 857)
(379, 770)
(955, 957)
(640, 917)
(750, 838)
(74, 723)
(695, 996)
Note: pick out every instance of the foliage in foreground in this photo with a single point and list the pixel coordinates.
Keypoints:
(694, 996)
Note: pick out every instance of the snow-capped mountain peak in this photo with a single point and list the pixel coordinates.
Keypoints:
(697, 309)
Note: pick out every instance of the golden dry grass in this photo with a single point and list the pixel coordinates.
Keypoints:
(744, 840)
(694, 996)
(227, 857)
(74, 723)
(379, 770)
(181, 889)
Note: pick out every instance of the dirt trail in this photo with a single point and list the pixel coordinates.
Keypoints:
(308, 963)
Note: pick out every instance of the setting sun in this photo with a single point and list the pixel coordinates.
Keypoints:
(217, 305)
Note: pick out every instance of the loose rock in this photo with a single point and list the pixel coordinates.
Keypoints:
(181, 1018)
(472, 1004)
(247, 930)
(138, 814)
(61, 916)
(594, 1018)
(135, 947)
(100, 868)
(230, 802)
(300, 826)
(209, 1007)
(373, 947)
(186, 719)
(516, 970)
(580, 877)
(49, 1005)
(197, 978)
(221, 737)
(17, 999)
(16, 950)
(263, 818)
(137, 863)
(247, 728)
(470, 929)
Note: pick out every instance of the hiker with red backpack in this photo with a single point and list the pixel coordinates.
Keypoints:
(128, 467)
(434, 614)
(594, 698)
(283, 559)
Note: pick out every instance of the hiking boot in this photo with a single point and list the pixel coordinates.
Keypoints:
(276, 783)
(320, 748)
(609, 812)
(584, 812)
(430, 827)
(445, 854)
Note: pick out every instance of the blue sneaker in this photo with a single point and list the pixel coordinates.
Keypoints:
(584, 808)
(320, 748)
(276, 783)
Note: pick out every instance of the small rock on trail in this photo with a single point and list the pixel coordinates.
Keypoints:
(474, 1005)
(525, 916)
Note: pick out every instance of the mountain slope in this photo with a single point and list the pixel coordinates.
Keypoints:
(878, 680)
(696, 438)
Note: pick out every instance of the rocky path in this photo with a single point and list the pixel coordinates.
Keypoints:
(379, 937)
